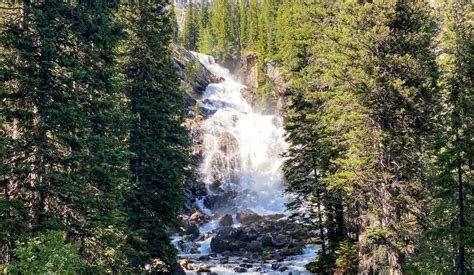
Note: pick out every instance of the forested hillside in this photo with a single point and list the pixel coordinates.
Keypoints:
(100, 167)
(379, 121)
(92, 143)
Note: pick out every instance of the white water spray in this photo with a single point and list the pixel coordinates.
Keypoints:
(241, 166)
(242, 148)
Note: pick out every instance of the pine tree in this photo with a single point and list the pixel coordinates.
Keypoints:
(223, 27)
(268, 25)
(309, 158)
(175, 23)
(206, 40)
(369, 92)
(13, 211)
(389, 88)
(158, 140)
(243, 24)
(191, 29)
(204, 17)
(293, 35)
(403, 107)
(447, 246)
(253, 21)
(65, 124)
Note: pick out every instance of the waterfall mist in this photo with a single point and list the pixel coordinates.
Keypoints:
(242, 148)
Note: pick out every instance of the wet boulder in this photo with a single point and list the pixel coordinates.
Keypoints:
(176, 269)
(255, 246)
(211, 201)
(195, 188)
(226, 220)
(267, 240)
(281, 240)
(248, 216)
(185, 62)
(206, 112)
(188, 247)
(228, 144)
(293, 250)
(230, 233)
(198, 217)
(229, 239)
(249, 95)
(192, 229)
(218, 201)
(220, 245)
(278, 257)
(215, 186)
(240, 269)
(274, 217)
(157, 266)
(184, 263)
(198, 267)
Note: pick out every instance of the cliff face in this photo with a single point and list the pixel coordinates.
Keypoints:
(193, 75)
(194, 79)
(279, 84)
(276, 79)
(249, 70)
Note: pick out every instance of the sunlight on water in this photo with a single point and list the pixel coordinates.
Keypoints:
(242, 148)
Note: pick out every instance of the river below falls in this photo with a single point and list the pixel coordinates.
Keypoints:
(241, 168)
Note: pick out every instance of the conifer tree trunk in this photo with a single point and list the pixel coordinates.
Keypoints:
(461, 261)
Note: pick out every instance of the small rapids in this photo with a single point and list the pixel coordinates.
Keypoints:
(241, 167)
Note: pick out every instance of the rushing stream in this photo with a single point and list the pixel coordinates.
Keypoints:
(241, 167)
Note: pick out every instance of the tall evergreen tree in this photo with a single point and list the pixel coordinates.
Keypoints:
(224, 29)
(204, 16)
(368, 60)
(268, 26)
(206, 39)
(158, 140)
(191, 29)
(243, 24)
(65, 124)
(294, 35)
(309, 158)
(253, 20)
(447, 247)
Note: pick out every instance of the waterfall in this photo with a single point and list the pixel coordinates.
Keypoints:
(242, 149)
(241, 166)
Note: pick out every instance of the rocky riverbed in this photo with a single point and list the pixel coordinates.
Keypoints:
(243, 243)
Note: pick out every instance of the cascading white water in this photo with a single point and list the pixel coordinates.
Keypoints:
(241, 166)
(242, 148)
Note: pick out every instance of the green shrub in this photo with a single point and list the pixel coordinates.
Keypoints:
(347, 257)
(47, 254)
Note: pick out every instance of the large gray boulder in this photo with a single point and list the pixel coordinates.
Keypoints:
(226, 220)
(255, 246)
(248, 216)
(192, 229)
(267, 240)
(218, 201)
(281, 240)
(229, 239)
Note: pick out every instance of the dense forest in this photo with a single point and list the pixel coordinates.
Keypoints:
(94, 148)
